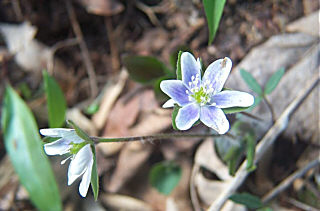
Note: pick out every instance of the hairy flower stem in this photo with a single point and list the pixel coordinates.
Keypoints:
(156, 137)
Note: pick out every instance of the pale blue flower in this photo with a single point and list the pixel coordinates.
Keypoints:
(203, 98)
(80, 154)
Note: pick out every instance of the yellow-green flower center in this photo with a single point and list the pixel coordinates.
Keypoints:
(76, 147)
(199, 92)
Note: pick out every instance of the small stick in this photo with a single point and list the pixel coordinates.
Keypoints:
(289, 180)
(149, 12)
(267, 141)
(301, 205)
(273, 116)
(113, 44)
(84, 49)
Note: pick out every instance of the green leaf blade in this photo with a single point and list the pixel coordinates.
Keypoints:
(178, 70)
(213, 10)
(165, 177)
(247, 199)
(251, 82)
(94, 175)
(144, 69)
(234, 110)
(25, 149)
(273, 81)
(56, 102)
(174, 116)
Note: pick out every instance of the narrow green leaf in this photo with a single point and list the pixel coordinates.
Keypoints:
(25, 149)
(234, 110)
(247, 199)
(165, 176)
(94, 175)
(251, 146)
(174, 116)
(178, 71)
(55, 100)
(144, 69)
(213, 10)
(273, 81)
(251, 82)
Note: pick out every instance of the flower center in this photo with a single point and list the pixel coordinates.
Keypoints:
(200, 92)
(74, 149)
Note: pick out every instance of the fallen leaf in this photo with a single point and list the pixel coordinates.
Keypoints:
(122, 202)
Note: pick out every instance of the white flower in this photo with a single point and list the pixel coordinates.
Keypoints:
(80, 153)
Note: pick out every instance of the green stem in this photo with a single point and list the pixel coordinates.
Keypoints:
(156, 136)
(273, 116)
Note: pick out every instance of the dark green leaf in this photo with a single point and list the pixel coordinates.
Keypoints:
(247, 199)
(94, 175)
(251, 146)
(25, 90)
(160, 95)
(175, 53)
(265, 209)
(144, 69)
(213, 10)
(251, 82)
(178, 71)
(165, 176)
(174, 115)
(234, 110)
(25, 149)
(55, 100)
(80, 132)
(273, 81)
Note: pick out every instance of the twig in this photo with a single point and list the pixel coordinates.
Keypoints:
(113, 44)
(149, 12)
(57, 46)
(84, 49)
(267, 141)
(156, 137)
(17, 9)
(289, 180)
(301, 205)
(273, 116)
(193, 193)
(251, 116)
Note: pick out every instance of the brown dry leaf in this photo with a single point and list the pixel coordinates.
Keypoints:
(208, 190)
(298, 54)
(131, 157)
(206, 157)
(122, 202)
(102, 7)
(82, 121)
(308, 24)
(110, 95)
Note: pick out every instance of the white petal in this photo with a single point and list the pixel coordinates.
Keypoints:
(56, 132)
(86, 178)
(187, 116)
(215, 118)
(79, 164)
(217, 73)
(227, 99)
(189, 67)
(176, 90)
(59, 147)
(169, 104)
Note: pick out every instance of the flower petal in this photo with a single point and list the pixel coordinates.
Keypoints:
(79, 164)
(69, 134)
(187, 116)
(215, 118)
(86, 178)
(56, 132)
(169, 104)
(176, 90)
(227, 99)
(59, 147)
(189, 67)
(217, 73)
